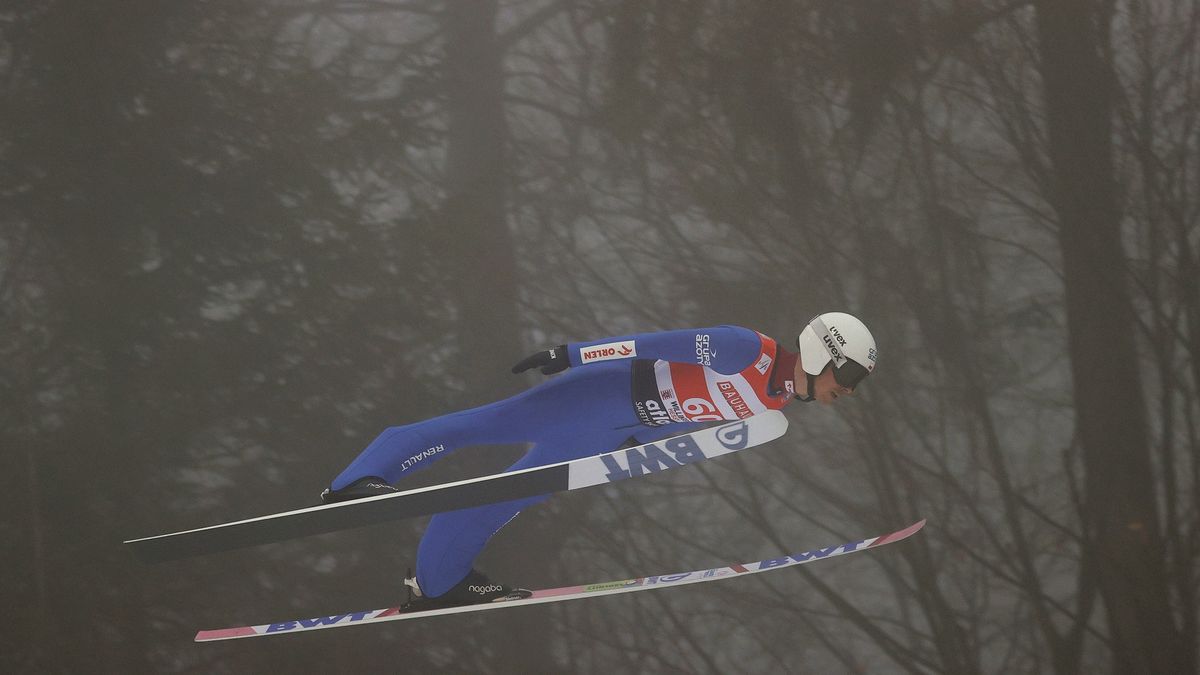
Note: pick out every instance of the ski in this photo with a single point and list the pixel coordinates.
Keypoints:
(571, 475)
(561, 594)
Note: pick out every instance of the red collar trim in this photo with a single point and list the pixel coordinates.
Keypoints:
(785, 369)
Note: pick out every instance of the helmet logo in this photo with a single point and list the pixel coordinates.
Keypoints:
(833, 350)
(834, 331)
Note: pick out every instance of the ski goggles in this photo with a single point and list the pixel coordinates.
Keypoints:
(850, 373)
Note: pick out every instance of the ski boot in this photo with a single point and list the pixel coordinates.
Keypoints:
(370, 486)
(475, 589)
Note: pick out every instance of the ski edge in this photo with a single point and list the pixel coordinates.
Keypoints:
(581, 473)
(575, 592)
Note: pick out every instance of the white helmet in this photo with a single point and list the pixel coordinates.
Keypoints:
(842, 339)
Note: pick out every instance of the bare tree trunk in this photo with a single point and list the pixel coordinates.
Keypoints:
(481, 264)
(1122, 512)
(37, 544)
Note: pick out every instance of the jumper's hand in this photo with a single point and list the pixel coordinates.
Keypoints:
(551, 360)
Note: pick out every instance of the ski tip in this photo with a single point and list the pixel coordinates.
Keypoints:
(900, 534)
(224, 634)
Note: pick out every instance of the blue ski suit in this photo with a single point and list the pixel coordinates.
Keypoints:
(588, 410)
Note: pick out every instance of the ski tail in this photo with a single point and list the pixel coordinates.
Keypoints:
(568, 592)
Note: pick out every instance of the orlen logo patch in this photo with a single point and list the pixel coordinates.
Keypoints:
(608, 352)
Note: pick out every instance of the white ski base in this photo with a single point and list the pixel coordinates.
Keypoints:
(561, 594)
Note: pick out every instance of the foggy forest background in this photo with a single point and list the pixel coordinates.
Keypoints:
(239, 239)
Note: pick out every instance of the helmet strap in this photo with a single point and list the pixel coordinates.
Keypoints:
(810, 397)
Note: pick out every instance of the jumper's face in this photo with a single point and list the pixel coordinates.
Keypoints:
(826, 388)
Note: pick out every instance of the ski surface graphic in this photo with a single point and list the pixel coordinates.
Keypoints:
(575, 474)
(561, 594)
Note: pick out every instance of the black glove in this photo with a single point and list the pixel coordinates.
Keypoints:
(551, 360)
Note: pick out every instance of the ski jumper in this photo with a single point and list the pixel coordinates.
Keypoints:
(638, 387)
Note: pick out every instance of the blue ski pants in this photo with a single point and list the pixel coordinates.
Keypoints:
(585, 411)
